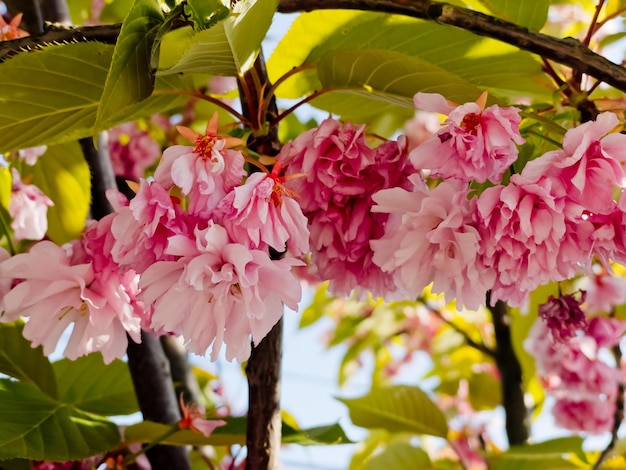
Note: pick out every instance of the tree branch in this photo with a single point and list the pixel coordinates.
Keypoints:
(568, 51)
(482, 347)
(517, 425)
(263, 437)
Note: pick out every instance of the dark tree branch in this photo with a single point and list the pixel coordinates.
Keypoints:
(32, 21)
(517, 424)
(263, 437)
(184, 380)
(150, 371)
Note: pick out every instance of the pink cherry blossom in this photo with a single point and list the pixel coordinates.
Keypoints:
(589, 166)
(593, 416)
(219, 292)
(563, 316)
(206, 172)
(475, 143)
(32, 154)
(194, 418)
(607, 332)
(603, 292)
(333, 161)
(132, 150)
(334, 172)
(528, 237)
(142, 229)
(262, 212)
(11, 30)
(57, 288)
(28, 207)
(432, 238)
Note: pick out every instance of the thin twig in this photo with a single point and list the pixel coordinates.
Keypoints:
(482, 347)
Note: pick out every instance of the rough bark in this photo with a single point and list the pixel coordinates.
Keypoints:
(517, 420)
(263, 369)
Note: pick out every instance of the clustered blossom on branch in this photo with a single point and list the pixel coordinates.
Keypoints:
(583, 385)
(172, 260)
(192, 249)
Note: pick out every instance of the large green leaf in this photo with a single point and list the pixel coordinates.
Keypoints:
(130, 78)
(483, 62)
(27, 364)
(52, 95)
(399, 456)
(38, 427)
(399, 408)
(63, 175)
(91, 385)
(228, 48)
(391, 76)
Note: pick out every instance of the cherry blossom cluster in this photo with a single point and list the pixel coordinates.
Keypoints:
(584, 386)
(379, 224)
(188, 255)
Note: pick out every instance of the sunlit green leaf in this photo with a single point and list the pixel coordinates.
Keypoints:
(38, 427)
(532, 14)
(130, 79)
(52, 95)
(484, 391)
(399, 456)
(205, 13)
(63, 175)
(91, 385)
(228, 48)
(320, 435)
(317, 308)
(399, 408)
(20, 360)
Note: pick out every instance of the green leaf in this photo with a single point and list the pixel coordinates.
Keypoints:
(27, 364)
(38, 427)
(234, 432)
(483, 62)
(399, 456)
(532, 14)
(228, 48)
(320, 435)
(63, 175)
(484, 391)
(246, 28)
(130, 79)
(391, 76)
(317, 308)
(51, 96)
(399, 408)
(205, 13)
(91, 385)
(548, 454)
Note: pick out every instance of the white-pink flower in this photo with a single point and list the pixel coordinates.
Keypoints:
(204, 173)
(28, 207)
(57, 287)
(475, 143)
(432, 237)
(529, 238)
(589, 166)
(32, 154)
(219, 292)
(261, 213)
